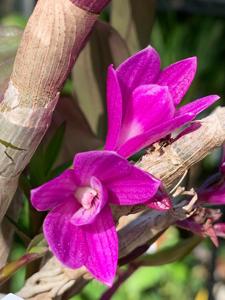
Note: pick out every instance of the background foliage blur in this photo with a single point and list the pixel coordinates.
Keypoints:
(177, 29)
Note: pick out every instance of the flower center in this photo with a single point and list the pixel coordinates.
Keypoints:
(85, 195)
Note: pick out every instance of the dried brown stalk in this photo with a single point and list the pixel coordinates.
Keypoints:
(52, 40)
(168, 163)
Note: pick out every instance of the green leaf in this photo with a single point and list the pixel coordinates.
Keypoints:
(9, 41)
(37, 168)
(58, 170)
(105, 47)
(19, 230)
(14, 20)
(170, 254)
(37, 249)
(53, 148)
(133, 20)
(38, 245)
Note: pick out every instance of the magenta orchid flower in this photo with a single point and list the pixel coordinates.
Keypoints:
(142, 100)
(79, 227)
(211, 193)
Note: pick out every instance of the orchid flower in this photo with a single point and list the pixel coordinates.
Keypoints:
(142, 101)
(204, 221)
(79, 227)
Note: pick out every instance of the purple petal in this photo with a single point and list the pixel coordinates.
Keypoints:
(214, 195)
(149, 106)
(155, 134)
(128, 184)
(161, 201)
(190, 225)
(86, 216)
(54, 192)
(178, 77)
(114, 109)
(66, 241)
(102, 247)
(199, 229)
(141, 68)
(198, 105)
(220, 229)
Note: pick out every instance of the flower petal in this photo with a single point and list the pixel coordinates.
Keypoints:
(155, 134)
(102, 247)
(53, 193)
(190, 225)
(161, 201)
(198, 105)
(220, 229)
(141, 68)
(214, 195)
(127, 183)
(66, 241)
(114, 109)
(149, 106)
(178, 77)
(202, 230)
(86, 216)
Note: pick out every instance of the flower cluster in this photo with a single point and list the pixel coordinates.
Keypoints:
(142, 105)
(211, 195)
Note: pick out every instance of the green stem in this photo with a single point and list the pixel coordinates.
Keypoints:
(9, 270)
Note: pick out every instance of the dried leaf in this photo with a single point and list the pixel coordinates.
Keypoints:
(89, 75)
(133, 20)
(78, 136)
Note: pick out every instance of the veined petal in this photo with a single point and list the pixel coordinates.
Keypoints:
(86, 216)
(126, 183)
(54, 192)
(155, 134)
(198, 105)
(149, 106)
(178, 77)
(102, 247)
(141, 68)
(66, 241)
(114, 109)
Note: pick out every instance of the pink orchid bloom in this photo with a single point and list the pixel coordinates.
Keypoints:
(211, 193)
(142, 101)
(79, 227)
(204, 223)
